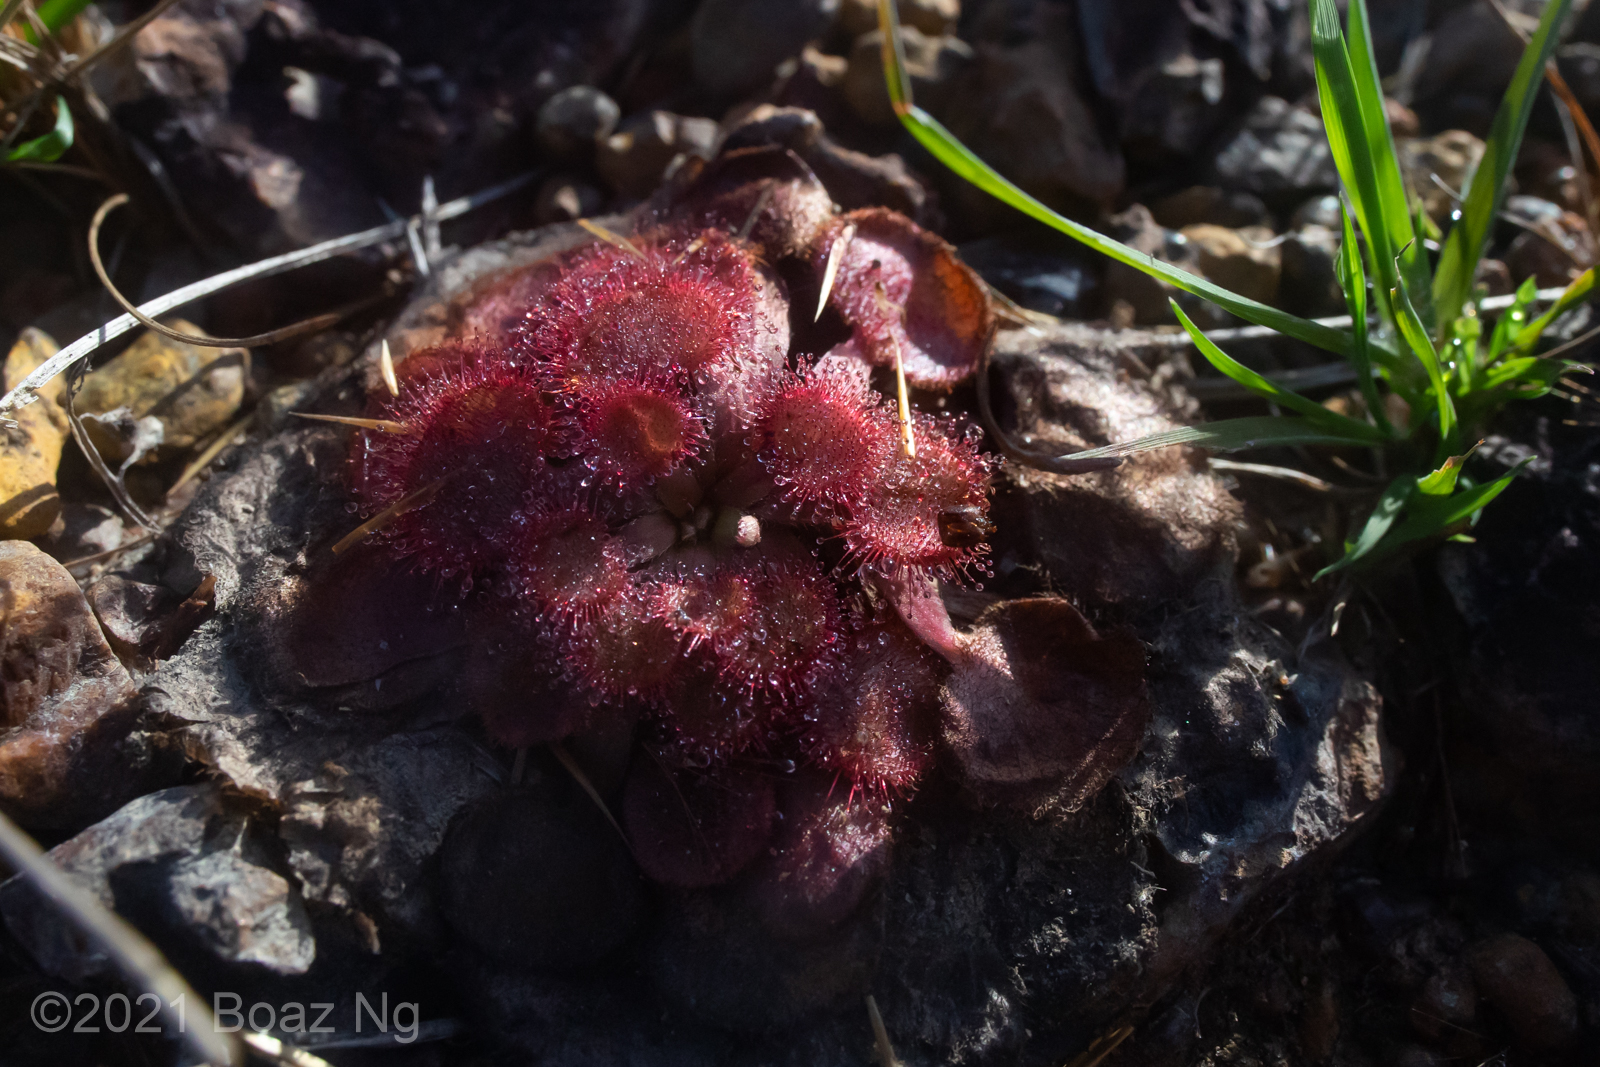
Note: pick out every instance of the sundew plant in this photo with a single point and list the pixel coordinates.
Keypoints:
(1418, 333)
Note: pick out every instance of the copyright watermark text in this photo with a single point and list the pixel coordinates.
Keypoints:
(89, 1013)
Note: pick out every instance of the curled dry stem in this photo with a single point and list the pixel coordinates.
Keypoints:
(27, 390)
(113, 480)
(1026, 457)
(283, 333)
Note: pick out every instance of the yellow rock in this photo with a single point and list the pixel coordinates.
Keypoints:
(193, 390)
(30, 452)
(1241, 260)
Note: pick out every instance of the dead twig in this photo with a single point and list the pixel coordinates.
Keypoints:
(62, 169)
(212, 451)
(113, 481)
(880, 1035)
(1103, 1046)
(1256, 333)
(1576, 342)
(1017, 315)
(8, 12)
(1570, 112)
(1286, 474)
(53, 82)
(611, 237)
(830, 273)
(140, 961)
(431, 242)
(381, 425)
(755, 212)
(382, 519)
(566, 760)
(908, 440)
(126, 546)
(386, 368)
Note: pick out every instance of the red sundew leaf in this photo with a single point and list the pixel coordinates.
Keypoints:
(362, 616)
(824, 437)
(766, 188)
(770, 618)
(691, 829)
(640, 430)
(902, 289)
(874, 724)
(507, 681)
(832, 850)
(703, 722)
(569, 563)
(691, 302)
(497, 309)
(915, 598)
(845, 364)
(1041, 711)
(479, 429)
(655, 375)
(929, 511)
(629, 649)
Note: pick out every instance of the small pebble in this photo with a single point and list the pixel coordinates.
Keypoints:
(1518, 979)
(573, 121)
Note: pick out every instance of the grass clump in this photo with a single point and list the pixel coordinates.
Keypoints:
(1417, 334)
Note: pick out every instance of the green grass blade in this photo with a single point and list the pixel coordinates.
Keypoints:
(57, 13)
(1377, 526)
(54, 14)
(1263, 386)
(1442, 482)
(1463, 247)
(1430, 516)
(1530, 334)
(953, 154)
(1353, 280)
(944, 146)
(1513, 320)
(895, 71)
(1534, 372)
(1462, 345)
(1230, 435)
(1396, 208)
(51, 146)
(1416, 335)
(1350, 144)
(1426, 517)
